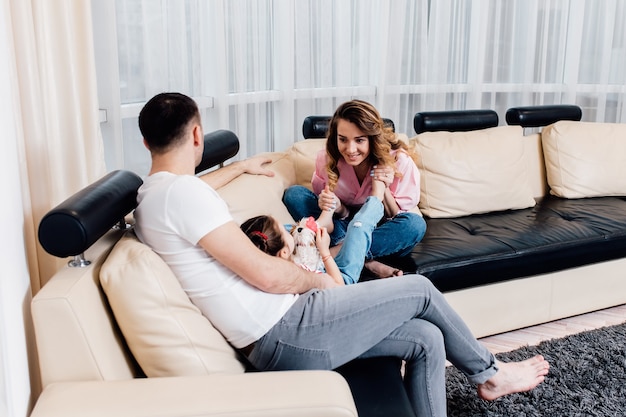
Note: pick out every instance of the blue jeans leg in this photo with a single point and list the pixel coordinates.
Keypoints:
(356, 244)
(398, 236)
(302, 202)
(424, 373)
(325, 329)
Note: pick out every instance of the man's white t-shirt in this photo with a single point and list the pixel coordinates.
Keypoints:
(174, 212)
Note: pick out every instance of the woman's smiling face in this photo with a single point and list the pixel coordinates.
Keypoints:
(352, 143)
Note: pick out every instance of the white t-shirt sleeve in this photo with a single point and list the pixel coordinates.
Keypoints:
(193, 201)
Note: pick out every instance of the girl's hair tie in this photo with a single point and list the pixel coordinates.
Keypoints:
(260, 234)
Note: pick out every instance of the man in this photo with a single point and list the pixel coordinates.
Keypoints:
(279, 315)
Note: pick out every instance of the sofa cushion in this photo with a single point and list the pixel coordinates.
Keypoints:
(585, 159)
(166, 333)
(303, 155)
(555, 234)
(252, 195)
(473, 172)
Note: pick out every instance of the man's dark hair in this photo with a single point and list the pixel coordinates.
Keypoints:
(163, 119)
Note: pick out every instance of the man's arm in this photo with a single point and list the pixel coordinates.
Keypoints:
(230, 246)
(224, 175)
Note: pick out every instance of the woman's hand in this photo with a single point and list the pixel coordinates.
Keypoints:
(384, 174)
(328, 201)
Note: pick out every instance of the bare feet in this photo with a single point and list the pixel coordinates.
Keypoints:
(381, 270)
(328, 203)
(514, 377)
(378, 189)
(326, 220)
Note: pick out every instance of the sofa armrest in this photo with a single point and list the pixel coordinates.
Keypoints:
(262, 394)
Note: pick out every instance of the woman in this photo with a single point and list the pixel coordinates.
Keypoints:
(359, 148)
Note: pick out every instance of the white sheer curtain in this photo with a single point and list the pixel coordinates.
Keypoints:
(15, 289)
(51, 148)
(55, 104)
(258, 67)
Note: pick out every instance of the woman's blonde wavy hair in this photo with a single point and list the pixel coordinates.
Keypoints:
(382, 139)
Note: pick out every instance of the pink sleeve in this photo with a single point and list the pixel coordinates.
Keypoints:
(407, 188)
(320, 178)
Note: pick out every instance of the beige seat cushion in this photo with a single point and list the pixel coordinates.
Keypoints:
(166, 333)
(252, 195)
(303, 154)
(473, 172)
(585, 159)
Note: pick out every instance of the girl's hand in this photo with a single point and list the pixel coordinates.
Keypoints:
(328, 201)
(322, 241)
(384, 174)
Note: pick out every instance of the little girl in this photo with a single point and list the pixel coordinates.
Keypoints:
(273, 238)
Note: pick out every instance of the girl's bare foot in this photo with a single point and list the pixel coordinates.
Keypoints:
(514, 377)
(378, 189)
(326, 220)
(381, 270)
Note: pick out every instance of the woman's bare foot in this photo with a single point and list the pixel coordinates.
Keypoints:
(514, 377)
(381, 270)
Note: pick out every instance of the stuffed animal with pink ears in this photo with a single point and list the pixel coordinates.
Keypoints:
(305, 251)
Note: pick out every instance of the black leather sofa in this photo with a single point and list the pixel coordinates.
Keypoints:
(554, 235)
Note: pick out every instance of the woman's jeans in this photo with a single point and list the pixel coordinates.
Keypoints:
(404, 317)
(395, 236)
(350, 258)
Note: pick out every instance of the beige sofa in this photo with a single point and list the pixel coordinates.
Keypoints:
(87, 369)
(119, 337)
(100, 328)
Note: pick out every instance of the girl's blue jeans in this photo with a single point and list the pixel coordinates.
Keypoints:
(404, 317)
(395, 236)
(357, 241)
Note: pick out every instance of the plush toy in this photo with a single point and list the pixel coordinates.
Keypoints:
(305, 252)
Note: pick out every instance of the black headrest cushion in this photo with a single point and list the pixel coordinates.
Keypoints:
(219, 146)
(454, 120)
(537, 116)
(75, 224)
(317, 126)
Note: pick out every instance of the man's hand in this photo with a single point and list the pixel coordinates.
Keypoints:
(265, 272)
(329, 282)
(255, 165)
(222, 176)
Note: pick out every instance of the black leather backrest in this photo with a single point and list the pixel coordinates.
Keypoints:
(219, 146)
(75, 224)
(315, 127)
(454, 120)
(537, 116)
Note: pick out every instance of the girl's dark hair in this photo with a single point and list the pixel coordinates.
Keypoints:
(264, 232)
(165, 118)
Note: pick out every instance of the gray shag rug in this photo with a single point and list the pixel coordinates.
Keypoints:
(587, 378)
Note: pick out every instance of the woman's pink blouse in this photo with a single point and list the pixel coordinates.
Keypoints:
(405, 189)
